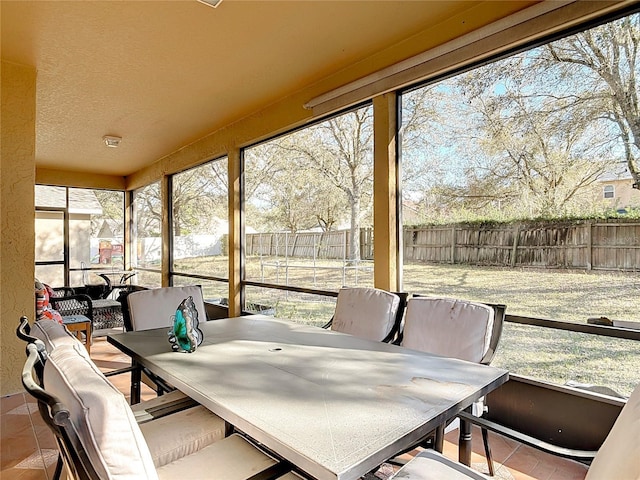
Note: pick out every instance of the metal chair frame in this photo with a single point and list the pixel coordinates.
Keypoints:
(72, 454)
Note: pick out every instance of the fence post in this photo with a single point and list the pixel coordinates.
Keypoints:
(344, 257)
(589, 232)
(514, 248)
(314, 260)
(453, 245)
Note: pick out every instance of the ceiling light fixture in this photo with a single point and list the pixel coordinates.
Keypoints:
(211, 3)
(111, 141)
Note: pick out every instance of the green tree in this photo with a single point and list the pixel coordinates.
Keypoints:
(530, 134)
(604, 60)
(340, 150)
(112, 204)
(196, 191)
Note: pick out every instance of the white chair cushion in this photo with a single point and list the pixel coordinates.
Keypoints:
(54, 335)
(448, 327)
(365, 312)
(232, 458)
(156, 308)
(146, 410)
(619, 456)
(100, 415)
(182, 433)
(430, 465)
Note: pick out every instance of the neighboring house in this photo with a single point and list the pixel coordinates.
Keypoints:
(49, 229)
(616, 188)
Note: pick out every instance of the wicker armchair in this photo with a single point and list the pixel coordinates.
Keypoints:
(71, 305)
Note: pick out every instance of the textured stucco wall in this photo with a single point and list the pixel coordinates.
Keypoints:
(17, 177)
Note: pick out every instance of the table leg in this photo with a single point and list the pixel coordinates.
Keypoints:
(136, 379)
(464, 441)
(439, 440)
(89, 327)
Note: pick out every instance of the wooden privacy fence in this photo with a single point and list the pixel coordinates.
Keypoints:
(587, 245)
(317, 245)
(606, 245)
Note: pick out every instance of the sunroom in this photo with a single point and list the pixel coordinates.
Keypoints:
(274, 153)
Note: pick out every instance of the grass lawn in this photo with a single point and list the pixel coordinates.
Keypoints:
(552, 355)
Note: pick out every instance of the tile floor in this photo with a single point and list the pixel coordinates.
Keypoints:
(28, 450)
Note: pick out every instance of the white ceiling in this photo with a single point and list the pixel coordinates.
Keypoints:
(162, 74)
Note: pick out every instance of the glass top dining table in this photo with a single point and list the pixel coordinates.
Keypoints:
(334, 405)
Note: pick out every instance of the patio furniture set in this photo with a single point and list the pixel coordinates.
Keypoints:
(268, 398)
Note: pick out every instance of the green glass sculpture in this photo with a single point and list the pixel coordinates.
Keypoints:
(184, 335)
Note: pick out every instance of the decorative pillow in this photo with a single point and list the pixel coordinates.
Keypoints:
(43, 308)
(184, 335)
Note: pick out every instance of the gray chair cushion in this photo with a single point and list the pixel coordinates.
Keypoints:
(54, 335)
(233, 458)
(182, 433)
(155, 308)
(431, 465)
(619, 456)
(367, 313)
(449, 327)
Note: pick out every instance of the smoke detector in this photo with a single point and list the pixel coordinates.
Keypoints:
(111, 141)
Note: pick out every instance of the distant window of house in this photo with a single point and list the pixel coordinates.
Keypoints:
(609, 191)
(94, 221)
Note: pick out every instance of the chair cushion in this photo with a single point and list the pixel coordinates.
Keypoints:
(430, 465)
(160, 406)
(619, 456)
(156, 307)
(365, 312)
(182, 433)
(232, 458)
(99, 414)
(71, 319)
(449, 327)
(54, 335)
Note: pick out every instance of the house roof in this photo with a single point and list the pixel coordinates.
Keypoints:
(81, 201)
(617, 172)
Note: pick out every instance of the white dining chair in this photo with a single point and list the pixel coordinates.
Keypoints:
(98, 436)
(173, 425)
(448, 326)
(368, 313)
(155, 307)
(453, 328)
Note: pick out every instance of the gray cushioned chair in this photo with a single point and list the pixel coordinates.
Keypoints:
(155, 308)
(368, 313)
(453, 328)
(618, 457)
